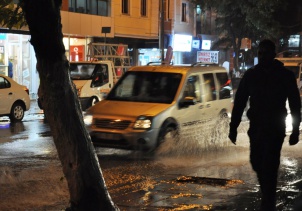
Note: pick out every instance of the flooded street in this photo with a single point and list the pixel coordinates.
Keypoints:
(194, 173)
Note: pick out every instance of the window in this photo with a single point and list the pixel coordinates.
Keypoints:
(167, 9)
(143, 7)
(4, 83)
(209, 87)
(141, 86)
(101, 76)
(184, 10)
(125, 6)
(224, 84)
(94, 7)
(192, 88)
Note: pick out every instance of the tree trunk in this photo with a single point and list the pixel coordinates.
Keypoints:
(80, 164)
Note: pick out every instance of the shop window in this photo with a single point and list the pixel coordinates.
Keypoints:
(144, 8)
(125, 6)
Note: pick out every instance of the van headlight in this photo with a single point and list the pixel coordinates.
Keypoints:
(87, 119)
(143, 122)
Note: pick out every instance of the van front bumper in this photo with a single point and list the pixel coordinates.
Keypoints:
(125, 139)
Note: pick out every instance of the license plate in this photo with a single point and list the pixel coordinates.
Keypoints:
(109, 136)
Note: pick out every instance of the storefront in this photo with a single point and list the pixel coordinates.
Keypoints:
(17, 52)
(181, 45)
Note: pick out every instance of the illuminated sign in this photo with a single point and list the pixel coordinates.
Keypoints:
(182, 43)
(207, 56)
(196, 44)
(206, 45)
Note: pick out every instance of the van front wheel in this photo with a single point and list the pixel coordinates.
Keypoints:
(167, 133)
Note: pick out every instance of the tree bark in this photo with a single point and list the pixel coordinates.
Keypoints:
(80, 164)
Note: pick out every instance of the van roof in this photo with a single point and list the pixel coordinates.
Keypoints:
(89, 62)
(293, 61)
(178, 68)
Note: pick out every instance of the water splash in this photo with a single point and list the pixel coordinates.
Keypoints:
(199, 139)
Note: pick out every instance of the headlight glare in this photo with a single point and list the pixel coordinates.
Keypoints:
(142, 123)
(88, 119)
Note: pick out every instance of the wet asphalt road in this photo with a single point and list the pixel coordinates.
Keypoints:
(187, 176)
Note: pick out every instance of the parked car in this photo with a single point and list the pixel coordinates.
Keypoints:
(14, 99)
(150, 103)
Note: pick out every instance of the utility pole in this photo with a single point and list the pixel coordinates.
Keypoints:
(162, 31)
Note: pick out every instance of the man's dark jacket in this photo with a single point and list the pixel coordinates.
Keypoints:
(267, 89)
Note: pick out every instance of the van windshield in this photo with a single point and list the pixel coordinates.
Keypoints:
(81, 71)
(153, 87)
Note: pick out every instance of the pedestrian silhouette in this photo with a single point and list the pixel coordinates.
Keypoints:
(267, 86)
(10, 69)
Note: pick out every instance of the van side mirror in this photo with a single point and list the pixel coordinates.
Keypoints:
(186, 102)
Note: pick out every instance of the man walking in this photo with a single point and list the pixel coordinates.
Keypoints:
(267, 86)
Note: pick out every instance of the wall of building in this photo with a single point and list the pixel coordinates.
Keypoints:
(133, 24)
(181, 27)
(79, 24)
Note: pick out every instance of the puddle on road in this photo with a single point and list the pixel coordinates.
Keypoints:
(209, 181)
(45, 134)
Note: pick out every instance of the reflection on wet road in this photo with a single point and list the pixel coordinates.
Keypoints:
(179, 176)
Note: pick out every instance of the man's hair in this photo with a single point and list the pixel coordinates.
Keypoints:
(268, 44)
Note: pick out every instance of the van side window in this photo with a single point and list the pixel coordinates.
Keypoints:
(209, 86)
(101, 76)
(192, 88)
(224, 84)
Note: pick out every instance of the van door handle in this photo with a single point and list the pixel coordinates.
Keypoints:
(10, 93)
(208, 105)
(200, 107)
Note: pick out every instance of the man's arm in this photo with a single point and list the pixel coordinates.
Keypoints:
(294, 102)
(240, 101)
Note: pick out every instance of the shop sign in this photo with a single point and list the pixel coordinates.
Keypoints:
(206, 45)
(207, 56)
(182, 43)
(2, 36)
(246, 43)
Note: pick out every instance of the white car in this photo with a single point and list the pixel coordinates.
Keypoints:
(14, 99)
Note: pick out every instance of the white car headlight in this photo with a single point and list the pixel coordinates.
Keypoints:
(87, 119)
(143, 122)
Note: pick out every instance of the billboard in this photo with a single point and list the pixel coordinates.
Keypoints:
(182, 43)
(207, 56)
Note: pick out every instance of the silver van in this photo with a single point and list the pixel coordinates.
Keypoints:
(150, 102)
